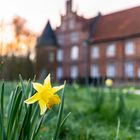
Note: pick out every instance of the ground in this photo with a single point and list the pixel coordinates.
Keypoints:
(95, 113)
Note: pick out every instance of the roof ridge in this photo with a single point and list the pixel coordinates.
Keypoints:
(120, 11)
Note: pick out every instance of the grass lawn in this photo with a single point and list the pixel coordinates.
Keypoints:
(94, 114)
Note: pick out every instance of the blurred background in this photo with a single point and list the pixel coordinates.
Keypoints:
(86, 41)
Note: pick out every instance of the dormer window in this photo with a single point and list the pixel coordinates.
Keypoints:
(129, 48)
(111, 50)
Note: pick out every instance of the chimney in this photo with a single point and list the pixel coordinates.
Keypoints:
(69, 6)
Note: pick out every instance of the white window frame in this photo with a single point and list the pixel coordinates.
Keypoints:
(111, 50)
(74, 71)
(111, 70)
(129, 47)
(95, 52)
(74, 52)
(129, 69)
(59, 55)
(94, 71)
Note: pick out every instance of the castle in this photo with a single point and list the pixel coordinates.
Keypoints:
(102, 46)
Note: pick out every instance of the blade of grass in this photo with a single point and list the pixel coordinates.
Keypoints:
(25, 126)
(38, 127)
(3, 134)
(2, 98)
(118, 128)
(64, 120)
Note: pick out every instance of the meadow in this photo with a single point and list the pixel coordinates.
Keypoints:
(97, 113)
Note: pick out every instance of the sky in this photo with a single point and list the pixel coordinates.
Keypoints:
(37, 12)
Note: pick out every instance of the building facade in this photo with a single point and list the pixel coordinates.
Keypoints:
(101, 47)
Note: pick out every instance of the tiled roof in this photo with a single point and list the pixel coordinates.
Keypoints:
(47, 37)
(120, 24)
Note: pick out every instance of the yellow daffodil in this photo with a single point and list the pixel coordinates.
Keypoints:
(109, 82)
(45, 95)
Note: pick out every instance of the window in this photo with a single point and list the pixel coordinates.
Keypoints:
(63, 26)
(74, 52)
(42, 74)
(129, 69)
(95, 52)
(71, 24)
(60, 39)
(95, 71)
(59, 72)
(111, 50)
(111, 70)
(138, 72)
(129, 48)
(74, 37)
(51, 57)
(74, 72)
(59, 55)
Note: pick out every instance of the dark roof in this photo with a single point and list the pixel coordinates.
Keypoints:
(47, 37)
(122, 24)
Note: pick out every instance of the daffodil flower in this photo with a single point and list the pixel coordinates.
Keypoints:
(109, 82)
(45, 95)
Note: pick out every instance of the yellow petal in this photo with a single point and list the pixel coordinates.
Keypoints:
(37, 86)
(57, 88)
(43, 106)
(32, 99)
(47, 82)
(54, 99)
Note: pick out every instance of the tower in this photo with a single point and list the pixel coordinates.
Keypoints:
(46, 53)
(68, 6)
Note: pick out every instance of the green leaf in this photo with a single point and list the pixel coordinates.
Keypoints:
(13, 114)
(118, 128)
(2, 128)
(64, 120)
(59, 115)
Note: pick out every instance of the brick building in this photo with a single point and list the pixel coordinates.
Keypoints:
(103, 46)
